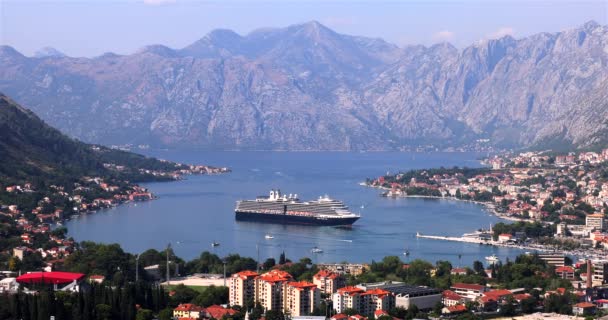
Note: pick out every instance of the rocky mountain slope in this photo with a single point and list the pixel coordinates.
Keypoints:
(306, 87)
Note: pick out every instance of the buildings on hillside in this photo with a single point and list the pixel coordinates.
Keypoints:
(242, 288)
(406, 295)
(328, 281)
(274, 290)
(366, 302)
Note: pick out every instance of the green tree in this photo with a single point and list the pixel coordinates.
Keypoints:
(274, 315)
(103, 312)
(144, 314)
(165, 314)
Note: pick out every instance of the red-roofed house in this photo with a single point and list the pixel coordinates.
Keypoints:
(454, 309)
(218, 312)
(504, 237)
(187, 310)
(583, 309)
(565, 272)
(327, 281)
(96, 278)
(450, 298)
(341, 316)
(601, 303)
(469, 291)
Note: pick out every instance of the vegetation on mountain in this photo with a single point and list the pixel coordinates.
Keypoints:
(33, 152)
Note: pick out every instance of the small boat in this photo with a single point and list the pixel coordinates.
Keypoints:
(316, 250)
(493, 258)
(268, 237)
(406, 253)
(215, 244)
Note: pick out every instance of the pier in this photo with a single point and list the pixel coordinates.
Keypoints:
(486, 242)
(462, 239)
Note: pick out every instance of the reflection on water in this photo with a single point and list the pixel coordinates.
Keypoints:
(193, 213)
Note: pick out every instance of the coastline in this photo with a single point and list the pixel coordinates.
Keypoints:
(152, 196)
(487, 205)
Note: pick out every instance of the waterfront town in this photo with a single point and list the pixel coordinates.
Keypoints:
(558, 197)
(32, 215)
(560, 200)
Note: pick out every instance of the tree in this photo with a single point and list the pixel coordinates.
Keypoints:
(528, 305)
(269, 263)
(211, 295)
(507, 309)
(437, 308)
(165, 314)
(282, 259)
(257, 312)
(144, 314)
(274, 315)
(478, 267)
(103, 312)
(350, 311)
(182, 294)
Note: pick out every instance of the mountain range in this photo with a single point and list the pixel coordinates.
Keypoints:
(306, 87)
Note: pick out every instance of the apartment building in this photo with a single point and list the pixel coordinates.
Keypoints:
(328, 282)
(274, 290)
(468, 291)
(269, 289)
(366, 302)
(242, 288)
(301, 298)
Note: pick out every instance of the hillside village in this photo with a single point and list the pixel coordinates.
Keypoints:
(566, 193)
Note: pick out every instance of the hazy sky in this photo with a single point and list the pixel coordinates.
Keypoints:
(89, 28)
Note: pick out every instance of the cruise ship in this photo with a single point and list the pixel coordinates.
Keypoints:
(288, 209)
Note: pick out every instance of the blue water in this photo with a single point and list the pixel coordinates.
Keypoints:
(191, 214)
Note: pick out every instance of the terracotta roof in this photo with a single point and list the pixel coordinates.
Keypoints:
(564, 269)
(326, 274)
(451, 295)
(468, 286)
(498, 293)
(339, 316)
(217, 312)
(350, 290)
(378, 292)
(188, 307)
(457, 308)
(584, 305)
(302, 284)
(246, 274)
(275, 276)
(378, 313)
(486, 299)
(522, 296)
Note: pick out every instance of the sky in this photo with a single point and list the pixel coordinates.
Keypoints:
(93, 27)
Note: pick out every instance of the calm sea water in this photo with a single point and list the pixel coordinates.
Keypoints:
(193, 213)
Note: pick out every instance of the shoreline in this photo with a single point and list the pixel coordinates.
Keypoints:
(487, 205)
(72, 217)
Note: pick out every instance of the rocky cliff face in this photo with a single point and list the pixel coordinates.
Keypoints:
(306, 87)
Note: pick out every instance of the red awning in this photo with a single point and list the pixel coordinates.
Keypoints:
(54, 277)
